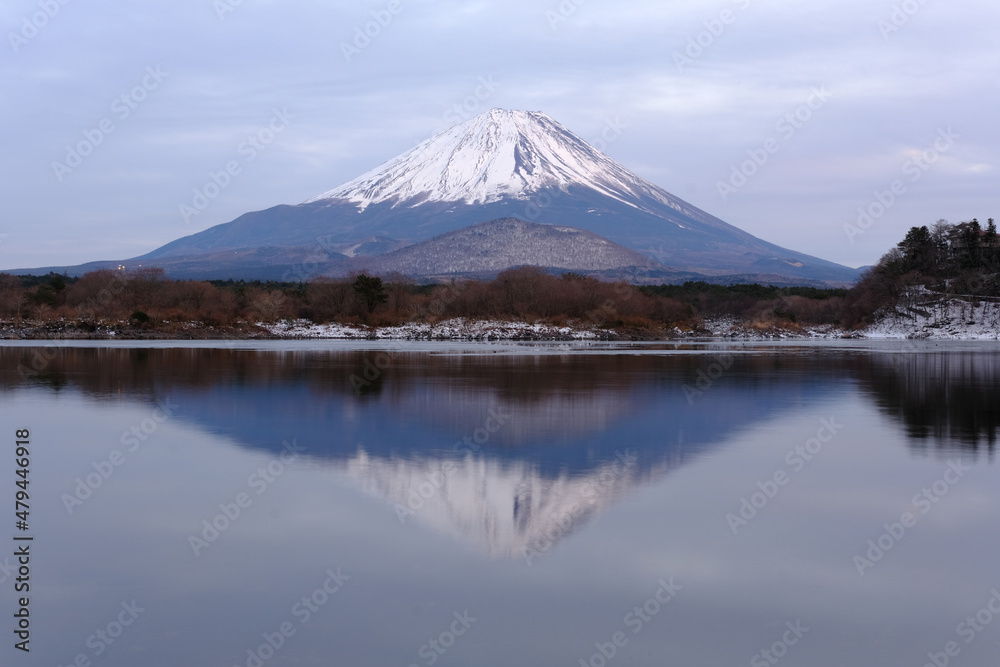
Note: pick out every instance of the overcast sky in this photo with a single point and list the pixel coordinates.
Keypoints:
(882, 95)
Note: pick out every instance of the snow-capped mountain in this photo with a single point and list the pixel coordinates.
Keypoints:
(501, 164)
(499, 154)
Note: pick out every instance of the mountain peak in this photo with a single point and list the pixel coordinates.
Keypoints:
(500, 164)
(499, 154)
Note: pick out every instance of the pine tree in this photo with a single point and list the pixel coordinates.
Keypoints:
(990, 246)
(371, 291)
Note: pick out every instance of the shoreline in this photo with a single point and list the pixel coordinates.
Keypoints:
(484, 330)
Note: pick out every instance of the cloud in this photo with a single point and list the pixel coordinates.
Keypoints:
(686, 127)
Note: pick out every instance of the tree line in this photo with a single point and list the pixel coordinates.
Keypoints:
(944, 260)
(146, 297)
(959, 259)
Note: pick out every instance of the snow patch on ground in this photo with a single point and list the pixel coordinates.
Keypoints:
(734, 327)
(940, 319)
(954, 320)
(944, 319)
(454, 329)
(934, 319)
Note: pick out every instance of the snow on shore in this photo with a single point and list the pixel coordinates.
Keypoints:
(454, 329)
(945, 319)
(956, 320)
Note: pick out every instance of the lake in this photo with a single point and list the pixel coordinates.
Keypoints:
(329, 503)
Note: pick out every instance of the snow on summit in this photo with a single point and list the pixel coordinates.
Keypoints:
(496, 155)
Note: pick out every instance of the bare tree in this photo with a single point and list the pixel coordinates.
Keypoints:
(13, 297)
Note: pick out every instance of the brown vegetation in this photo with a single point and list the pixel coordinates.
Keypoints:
(146, 300)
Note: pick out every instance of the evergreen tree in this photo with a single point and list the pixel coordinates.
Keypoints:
(371, 291)
(972, 241)
(991, 247)
(919, 251)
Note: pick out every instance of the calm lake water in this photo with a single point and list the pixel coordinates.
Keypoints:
(462, 504)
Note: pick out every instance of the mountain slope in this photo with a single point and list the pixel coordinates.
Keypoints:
(491, 247)
(506, 164)
(501, 164)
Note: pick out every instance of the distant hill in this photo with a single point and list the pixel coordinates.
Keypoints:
(490, 247)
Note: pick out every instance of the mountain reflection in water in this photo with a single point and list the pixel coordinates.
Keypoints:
(515, 452)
